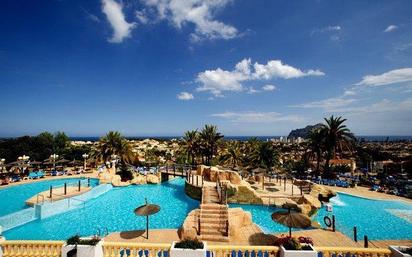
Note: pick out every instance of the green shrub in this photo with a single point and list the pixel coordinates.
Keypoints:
(76, 240)
(189, 244)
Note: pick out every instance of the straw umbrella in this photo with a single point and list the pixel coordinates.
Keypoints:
(147, 210)
(292, 219)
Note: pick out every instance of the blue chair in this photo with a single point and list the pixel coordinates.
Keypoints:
(33, 175)
(15, 178)
(40, 174)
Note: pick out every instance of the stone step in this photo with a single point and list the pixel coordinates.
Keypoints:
(214, 220)
(215, 238)
(214, 211)
(214, 215)
(212, 231)
(213, 206)
(216, 225)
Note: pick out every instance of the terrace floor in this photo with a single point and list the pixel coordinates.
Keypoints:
(252, 235)
(365, 192)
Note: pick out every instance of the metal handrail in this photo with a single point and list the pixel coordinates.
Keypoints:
(37, 198)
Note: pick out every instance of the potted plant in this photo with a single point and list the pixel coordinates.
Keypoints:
(296, 247)
(82, 247)
(188, 248)
(401, 251)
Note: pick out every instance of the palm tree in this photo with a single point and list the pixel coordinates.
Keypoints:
(265, 156)
(316, 144)
(191, 144)
(233, 155)
(113, 143)
(210, 139)
(336, 137)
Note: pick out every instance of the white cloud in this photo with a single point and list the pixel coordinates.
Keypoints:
(387, 78)
(329, 104)
(90, 16)
(252, 90)
(391, 28)
(333, 32)
(268, 88)
(276, 69)
(142, 17)
(200, 13)
(256, 117)
(121, 28)
(326, 29)
(382, 106)
(185, 96)
(349, 92)
(218, 80)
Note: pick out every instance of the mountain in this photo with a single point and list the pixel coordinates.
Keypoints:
(303, 132)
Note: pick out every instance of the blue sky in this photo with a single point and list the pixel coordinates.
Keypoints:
(160, 67)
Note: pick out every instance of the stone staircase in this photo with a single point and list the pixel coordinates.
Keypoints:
(214, 217)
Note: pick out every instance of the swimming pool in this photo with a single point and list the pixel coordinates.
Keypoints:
(114, 211)
(12, 199)
(374, 218)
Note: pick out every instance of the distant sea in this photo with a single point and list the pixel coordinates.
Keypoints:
(261, 138)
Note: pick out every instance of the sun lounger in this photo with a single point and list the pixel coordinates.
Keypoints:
(15, 178)
(33, 175)
(40, 174)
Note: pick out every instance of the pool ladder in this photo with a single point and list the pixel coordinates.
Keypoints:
(40, 196)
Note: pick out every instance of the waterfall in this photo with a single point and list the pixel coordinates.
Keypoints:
(336, 201)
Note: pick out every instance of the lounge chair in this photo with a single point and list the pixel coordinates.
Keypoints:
(33, 175)
(15, 178)
(40, 174)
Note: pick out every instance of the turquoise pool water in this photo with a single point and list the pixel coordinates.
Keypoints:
(12, 198)
(374, 218)
(114, 211)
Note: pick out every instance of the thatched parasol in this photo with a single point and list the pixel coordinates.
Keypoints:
(292, 219)
(259, 170)
(35, 163)
(75, 162)
(147, 210)
(63, 161)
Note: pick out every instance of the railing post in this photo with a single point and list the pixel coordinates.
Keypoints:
(227, 228)
(51, 192)
(333, 223)
(198, 226)
(301, 190)
(80, 185)
(292, 187)
(88, 182)
(365, 241)
(65, 188)
(197, 180)
(284, 183)
(355, 234)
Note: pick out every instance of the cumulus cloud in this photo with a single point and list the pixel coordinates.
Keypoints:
(391, 28)
(219, 80)
(114, 14)
(387, 78)
(256, 117)
(185, 96)
(200, 13)
(268, 88)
